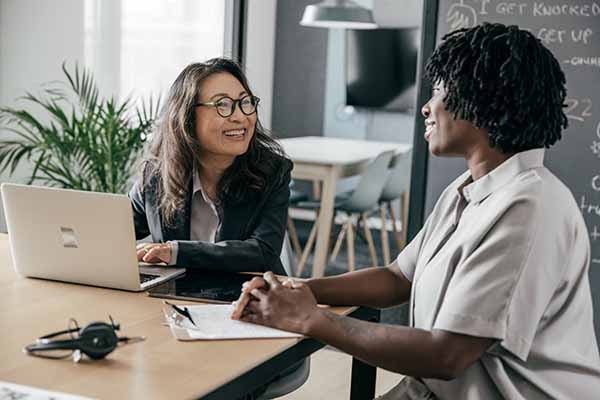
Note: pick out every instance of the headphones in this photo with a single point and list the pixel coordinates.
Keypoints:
(95, 340)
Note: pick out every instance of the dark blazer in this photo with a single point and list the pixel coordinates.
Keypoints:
(249, 239)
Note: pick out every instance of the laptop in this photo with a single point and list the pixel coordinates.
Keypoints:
(77, 236)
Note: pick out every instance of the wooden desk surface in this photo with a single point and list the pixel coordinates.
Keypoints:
(160, 367)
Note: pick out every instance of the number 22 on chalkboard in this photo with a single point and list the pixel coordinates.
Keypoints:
(578, 109)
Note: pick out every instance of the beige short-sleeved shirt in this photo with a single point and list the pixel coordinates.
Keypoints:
(508, 259)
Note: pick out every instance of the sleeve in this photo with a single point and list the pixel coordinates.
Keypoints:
(260, 252)
(503, 287)
(140, 222)
(406, 262)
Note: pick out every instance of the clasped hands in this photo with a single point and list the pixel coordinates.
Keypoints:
(287, 304)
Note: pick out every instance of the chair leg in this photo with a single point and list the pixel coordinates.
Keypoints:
(369, 240)
(294, 236)
(385, 245)
(350, 245)
(338, 242)
(308, 248)
(395, 228)
(404, 209)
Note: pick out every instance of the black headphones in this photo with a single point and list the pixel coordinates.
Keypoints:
(95, 340)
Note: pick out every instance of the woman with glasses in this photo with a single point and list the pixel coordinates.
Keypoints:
(214, 191)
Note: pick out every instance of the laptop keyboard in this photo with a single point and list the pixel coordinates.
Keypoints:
(147, 277)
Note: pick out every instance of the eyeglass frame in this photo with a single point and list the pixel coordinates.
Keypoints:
(235, 103)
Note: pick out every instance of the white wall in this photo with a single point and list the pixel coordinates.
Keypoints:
(36, 36)
(260, 53)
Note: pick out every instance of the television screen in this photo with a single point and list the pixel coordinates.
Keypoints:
(381, 68)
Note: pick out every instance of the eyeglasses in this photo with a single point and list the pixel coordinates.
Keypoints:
(226, 105)
(95, 340)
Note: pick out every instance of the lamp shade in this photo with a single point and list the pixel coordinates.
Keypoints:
(338, 14)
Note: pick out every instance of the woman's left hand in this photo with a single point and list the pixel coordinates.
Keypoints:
(154, 252)
(290, 306)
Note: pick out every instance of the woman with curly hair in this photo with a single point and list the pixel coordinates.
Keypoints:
(497, 278)
(214, 192)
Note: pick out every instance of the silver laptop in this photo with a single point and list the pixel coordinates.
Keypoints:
(76, 236)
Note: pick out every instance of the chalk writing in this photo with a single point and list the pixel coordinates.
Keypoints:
(586, 208)
(594, 234)
(553, 35)
(511, 8)
(541, 9)
(461, 15)
(591, 61)
(595, 147)
(596, 183)
(578, 109)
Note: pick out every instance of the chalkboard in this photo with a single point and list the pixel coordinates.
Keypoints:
(571, 30)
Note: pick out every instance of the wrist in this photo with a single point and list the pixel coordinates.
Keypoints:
(314, 324)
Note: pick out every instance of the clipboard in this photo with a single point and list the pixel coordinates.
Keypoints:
(213, 322)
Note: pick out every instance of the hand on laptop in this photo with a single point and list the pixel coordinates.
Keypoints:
(154, 252)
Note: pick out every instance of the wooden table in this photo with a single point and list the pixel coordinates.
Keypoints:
(158, 368)
(328, 159)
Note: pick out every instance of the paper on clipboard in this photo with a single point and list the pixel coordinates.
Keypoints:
(213, 322)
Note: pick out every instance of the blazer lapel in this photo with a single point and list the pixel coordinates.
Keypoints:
(180, 229)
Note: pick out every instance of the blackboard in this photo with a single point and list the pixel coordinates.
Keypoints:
(571, 30)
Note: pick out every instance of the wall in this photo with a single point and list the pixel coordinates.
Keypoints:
(299, 73)
(260, 52)
(33, 58)
(371, 125)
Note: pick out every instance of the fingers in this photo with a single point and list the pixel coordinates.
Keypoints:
(247, 287)
(272, 280)
(239, 305)
(259, 294)
(254, 283)
(154, 252)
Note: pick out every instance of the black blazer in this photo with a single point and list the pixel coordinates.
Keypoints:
(249, 239)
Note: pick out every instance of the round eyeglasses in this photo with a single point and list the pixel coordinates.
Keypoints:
(226, 105)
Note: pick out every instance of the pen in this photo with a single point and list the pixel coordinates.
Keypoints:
(182, 311)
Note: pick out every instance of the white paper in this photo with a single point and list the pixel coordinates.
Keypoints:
(214, 322)
(9, 391)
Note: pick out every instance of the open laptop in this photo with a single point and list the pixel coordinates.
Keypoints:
(76, 236)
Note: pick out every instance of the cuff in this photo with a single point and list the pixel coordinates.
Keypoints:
(174, 251)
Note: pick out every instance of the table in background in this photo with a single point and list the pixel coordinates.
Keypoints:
(328, 159)
(158, 368)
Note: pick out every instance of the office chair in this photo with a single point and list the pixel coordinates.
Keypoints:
(357, 204)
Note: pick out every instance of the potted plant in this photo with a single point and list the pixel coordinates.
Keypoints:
(84, 141)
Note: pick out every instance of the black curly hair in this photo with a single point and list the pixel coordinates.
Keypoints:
(502, 79)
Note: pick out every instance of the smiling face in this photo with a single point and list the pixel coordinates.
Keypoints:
(223, 136)
(446, 135)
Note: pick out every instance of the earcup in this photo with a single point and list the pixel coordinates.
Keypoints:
(97, 340)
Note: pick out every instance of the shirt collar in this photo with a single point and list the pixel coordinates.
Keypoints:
(197, 187)
(481, 188)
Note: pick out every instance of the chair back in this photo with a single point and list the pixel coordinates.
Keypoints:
(399, 178)
(366, 195)
(286, 255)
